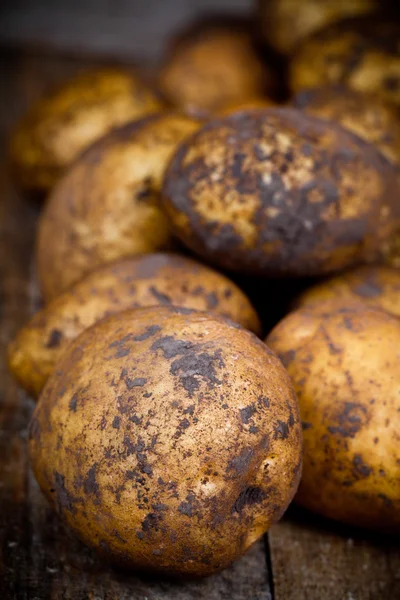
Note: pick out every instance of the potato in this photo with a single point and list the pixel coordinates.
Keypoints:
(285, 23)
(344, 366)
(168, 440)
(276, 191)
(130, 283)
(60, 126)
(107, 206)
(365, 114)
(375, 286)
(213, 67)
(361, 53)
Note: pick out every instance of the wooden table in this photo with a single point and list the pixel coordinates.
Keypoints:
(303, 557)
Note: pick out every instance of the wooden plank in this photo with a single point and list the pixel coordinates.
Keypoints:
(316, 558)
(38, 558)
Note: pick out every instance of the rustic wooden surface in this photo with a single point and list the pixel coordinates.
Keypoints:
(310, 558)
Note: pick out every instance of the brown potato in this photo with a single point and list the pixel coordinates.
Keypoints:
(131, 283)
(344, 364)
(367, 115)
(284, 23)
(168, 440)
(375, 286)
(61, 126)
(213, 67)
(276, 191)
(361, 53)
(107, 206)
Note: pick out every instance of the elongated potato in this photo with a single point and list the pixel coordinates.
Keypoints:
(61, 126)
(375, 286)
(367, 115)
(164, 279)
(275, 191)
(168, 440)
(344, 364)
(107, 206)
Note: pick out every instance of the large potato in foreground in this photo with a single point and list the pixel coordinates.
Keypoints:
(362, 53)
(107, 206)
(213, 67)
(131, 283)
(375, 286)
(168, 440)
(285, 22)
(276, 191)
(344, 364)
(60, 126)
(367, 115)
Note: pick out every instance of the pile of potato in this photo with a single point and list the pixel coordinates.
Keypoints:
(167, 435)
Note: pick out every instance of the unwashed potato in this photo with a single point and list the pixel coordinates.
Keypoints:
(107, 206)
(213, 67)
(344, 364)
(367, 115)
(168, 440)
(130, 283)
(375, 286)
(362, 53)
(285, 22)
(61, 126)
(276, 191)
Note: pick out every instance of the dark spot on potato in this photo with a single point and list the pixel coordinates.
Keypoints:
(193, 365)
(240, 463)
(160, 296)
(187, 508)
(227, 293)
(90, 485)
(212, 300)
(281, 430)
(149, 332)
(171, 347)
(287, 357)
(151, 522)
(116, 422)
(137, 382)
(306, 425)
(386, 501)
(248, 497)
(54, 339)
(264, 401)
(360, 468)
(34, 429)
(368, 289)
(73, 403)
(140, 535)
(350, 420)
(247, 413)
(189, 410)
(65, 499)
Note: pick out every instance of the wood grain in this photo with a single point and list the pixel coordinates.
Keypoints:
(39, 560)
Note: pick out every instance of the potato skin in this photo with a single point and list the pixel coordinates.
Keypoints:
(366, 115)
(343, 361)
(248, 104)
(168, 440)
(375, 286)
(62, 125)
(276, 191)
(361, 53)
(285, 23)
(213, 67)
(161, 278)
(107, 206)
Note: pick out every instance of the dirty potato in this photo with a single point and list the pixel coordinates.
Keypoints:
(168, 440)
(285, 23)
(344, 364)
(61, 126)
(367, 115)
(276, 191)
(165, 279)
(213, 67)
(107, 206)
(362, 53)
(375, 286)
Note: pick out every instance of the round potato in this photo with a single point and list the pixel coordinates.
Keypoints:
(362, 53)
(344, 364)
(61, 126)
(166, 279)
(285, 23)
(276, 191)
(366, 115)
(107, 206)
(375, 286)
(168, 440)
(213, 67)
